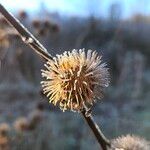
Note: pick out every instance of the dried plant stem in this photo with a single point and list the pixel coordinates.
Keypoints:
(30, 40)
(102, 140)
(26, 36)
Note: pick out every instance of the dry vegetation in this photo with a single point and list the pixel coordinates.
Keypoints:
(28, 122)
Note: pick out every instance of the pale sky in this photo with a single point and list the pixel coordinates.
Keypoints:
(80, 7)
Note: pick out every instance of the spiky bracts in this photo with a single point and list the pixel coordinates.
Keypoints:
(74, 79)
(130, 142)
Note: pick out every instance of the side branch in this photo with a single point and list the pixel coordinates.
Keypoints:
(26, 36)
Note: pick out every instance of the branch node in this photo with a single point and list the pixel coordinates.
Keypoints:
(27, 40)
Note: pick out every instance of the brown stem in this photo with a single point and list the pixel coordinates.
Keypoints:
(26, 36)
(102, 140)
(30, 40)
